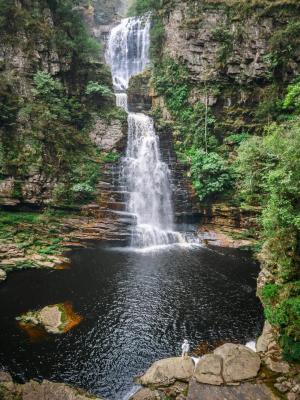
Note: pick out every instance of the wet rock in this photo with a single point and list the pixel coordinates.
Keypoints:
(51, 319)
(165, 372)
(239, 362)
(45, 391)
(292, 396)
(107, 135)
(144, 394)
(2, 275)
(281, 387)
(208, 370)
(265, 339)
(55, 319)
(277, 366)
(139, 99)
(5, 377)
(245, 391)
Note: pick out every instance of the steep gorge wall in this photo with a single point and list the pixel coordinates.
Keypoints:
(44, 137)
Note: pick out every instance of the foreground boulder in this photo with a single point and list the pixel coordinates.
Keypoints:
(166, 372)
(209, 370)
(238, 362)
(40, 391)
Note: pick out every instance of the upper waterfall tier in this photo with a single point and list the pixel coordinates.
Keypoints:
(128, 50)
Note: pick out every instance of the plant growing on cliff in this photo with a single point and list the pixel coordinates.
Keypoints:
(210, 173)
(270, 176)
(97, 88)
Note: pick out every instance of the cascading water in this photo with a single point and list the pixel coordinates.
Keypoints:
(146, 176)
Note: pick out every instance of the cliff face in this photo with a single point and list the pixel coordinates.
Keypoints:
(100, 15)
(47, 61)
(231, 53)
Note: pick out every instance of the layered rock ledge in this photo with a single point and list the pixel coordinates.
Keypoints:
(45, 390)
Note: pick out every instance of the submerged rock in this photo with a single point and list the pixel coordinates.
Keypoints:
(239, 362)
(166, 372)
(55, 319)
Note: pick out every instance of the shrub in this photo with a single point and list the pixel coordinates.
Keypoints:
(97, 88)
(210, 173)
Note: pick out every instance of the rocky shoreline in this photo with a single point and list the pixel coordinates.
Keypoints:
(231, 371)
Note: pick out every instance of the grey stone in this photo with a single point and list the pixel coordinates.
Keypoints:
(165, 372)
(208, 370)
(239, 362)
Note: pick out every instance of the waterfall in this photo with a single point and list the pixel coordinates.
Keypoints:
(145, 175)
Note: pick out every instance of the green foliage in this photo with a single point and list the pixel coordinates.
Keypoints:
(291, 348)
(292, 98)
(236, 138)
(269, 292)
(171, 80)
(222, 35)
(283, 44)
(210, 173)
(140, 7)
(97, 88)
(111, 157)
(252, 162)
(157, 37)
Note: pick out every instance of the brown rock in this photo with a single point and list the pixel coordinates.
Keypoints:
(144, 394)
(245, 391)
(277, 366)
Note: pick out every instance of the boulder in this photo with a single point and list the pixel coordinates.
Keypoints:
(277, 366)
(239, 362)
(265, 339)
(5, 377)
(209, 369)
(2, 275)
(244, 391)
(144, 394)
(166, 372)
(51, 318)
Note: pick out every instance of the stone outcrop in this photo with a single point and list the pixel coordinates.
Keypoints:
(100, 15)
(209, 370)
(45, 390)
(239, 362)
(139, 98)
(245, 391)
(108, 135)
(167, 371)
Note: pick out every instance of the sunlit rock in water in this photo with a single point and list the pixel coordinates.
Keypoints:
(54, 319)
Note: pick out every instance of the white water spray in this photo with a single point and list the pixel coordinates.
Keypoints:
(145, 175)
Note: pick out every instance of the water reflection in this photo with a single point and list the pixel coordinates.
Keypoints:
(137, 307)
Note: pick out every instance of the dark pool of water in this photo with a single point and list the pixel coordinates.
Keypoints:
(137, 308)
